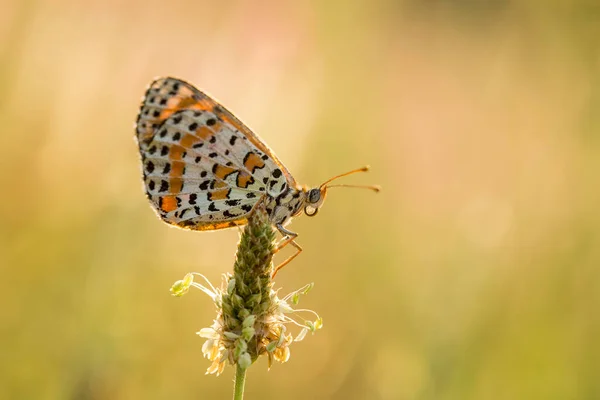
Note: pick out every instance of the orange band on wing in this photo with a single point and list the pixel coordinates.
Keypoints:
(253, 161)
(222, 172)
(166, 113)
(177, 168)
(244, 179)
(219, 194)
(204, 133)
(189, 103)
(217, 225)
(189, 140)
(175, 185)
(169, 203)
(176, 152)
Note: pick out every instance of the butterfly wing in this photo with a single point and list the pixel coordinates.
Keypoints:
(203, 169)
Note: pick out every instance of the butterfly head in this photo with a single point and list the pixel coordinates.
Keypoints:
(316, 196)
(314, 199)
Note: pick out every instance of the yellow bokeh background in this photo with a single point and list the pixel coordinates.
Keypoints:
(474, 274)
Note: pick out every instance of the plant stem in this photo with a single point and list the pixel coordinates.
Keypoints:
(240, 379)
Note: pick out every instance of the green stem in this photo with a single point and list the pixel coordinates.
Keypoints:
(240, 379)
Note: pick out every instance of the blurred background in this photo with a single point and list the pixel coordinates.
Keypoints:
(474, 274)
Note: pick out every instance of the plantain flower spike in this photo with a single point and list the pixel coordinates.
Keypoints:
(251, 320)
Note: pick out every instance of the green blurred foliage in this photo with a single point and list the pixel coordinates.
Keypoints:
(473, 275)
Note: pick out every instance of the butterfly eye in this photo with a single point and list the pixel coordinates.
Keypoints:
(314, 195)
(310, 211)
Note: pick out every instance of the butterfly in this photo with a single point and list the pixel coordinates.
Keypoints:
(203, 169)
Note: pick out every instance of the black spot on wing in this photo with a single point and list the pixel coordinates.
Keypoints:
(204, 185)
(164, 186)
(228, 214)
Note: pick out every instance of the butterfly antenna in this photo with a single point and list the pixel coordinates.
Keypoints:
(354, 171)
(375, 188)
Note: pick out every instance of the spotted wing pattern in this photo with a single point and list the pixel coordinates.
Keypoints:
(203, 169)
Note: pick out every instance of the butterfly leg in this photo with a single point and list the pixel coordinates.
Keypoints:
(288, 239)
